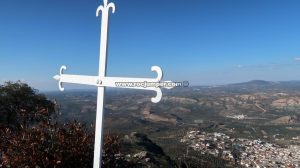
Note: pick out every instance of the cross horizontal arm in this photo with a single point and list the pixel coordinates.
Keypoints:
(117, 82)
(153, 84)
(76, 79)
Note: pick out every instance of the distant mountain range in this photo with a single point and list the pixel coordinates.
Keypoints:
(261, 84)
(258, 85)
(266, 83)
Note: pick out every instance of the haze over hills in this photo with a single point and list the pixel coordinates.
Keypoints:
(242, 112)
(253, 84)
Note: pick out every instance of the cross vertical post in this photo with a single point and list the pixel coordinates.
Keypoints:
(102, 73)
(101, 81)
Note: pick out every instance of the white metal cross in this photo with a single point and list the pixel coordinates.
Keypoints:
(101, 81)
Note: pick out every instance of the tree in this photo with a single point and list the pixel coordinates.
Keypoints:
(21, 105)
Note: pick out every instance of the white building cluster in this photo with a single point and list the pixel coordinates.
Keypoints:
(238, 117)
(249, 153)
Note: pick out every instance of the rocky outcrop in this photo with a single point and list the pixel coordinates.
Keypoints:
(286, 120)
(144, 151)
(291, 101)
(246, 97)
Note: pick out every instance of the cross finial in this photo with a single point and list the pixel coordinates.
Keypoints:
(105, 7)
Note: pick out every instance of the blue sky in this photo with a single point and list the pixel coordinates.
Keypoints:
(202, 41)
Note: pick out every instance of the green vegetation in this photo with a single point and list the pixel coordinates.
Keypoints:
(21, 105)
